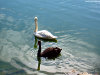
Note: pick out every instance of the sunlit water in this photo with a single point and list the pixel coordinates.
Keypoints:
(76, 23)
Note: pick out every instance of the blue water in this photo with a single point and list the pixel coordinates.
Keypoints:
(76, 23)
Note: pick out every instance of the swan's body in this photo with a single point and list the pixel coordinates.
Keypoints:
(48, 52)
(44, 34)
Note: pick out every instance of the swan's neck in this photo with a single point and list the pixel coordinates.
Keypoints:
(36, 26)
(39, 51)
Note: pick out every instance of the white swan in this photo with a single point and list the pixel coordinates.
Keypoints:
(44, 34)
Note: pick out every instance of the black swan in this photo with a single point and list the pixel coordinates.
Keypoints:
(48, 52)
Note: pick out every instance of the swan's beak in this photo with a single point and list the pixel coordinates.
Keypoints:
(39, 42)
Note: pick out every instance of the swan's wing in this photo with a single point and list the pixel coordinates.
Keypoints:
(45, 34)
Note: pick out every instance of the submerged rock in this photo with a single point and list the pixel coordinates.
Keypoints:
(74, 72)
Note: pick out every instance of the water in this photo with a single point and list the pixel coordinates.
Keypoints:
(76, 23)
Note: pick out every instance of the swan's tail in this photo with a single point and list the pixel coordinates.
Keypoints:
(55, 37)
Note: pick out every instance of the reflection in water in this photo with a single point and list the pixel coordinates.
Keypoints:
(11, 48)
(39, 62)
(8, 69)
(44, 40)
(35, 44)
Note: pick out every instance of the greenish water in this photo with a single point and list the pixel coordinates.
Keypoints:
(76, 23)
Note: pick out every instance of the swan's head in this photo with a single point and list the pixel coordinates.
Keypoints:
(39, 42)
(58, 50)
(35, 19)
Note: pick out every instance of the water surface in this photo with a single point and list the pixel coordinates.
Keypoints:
(76, 23)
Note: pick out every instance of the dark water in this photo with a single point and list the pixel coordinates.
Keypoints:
(76, 23)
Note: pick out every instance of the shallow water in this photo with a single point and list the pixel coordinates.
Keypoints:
(76, 23)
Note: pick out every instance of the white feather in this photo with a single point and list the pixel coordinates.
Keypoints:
(43, 33)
